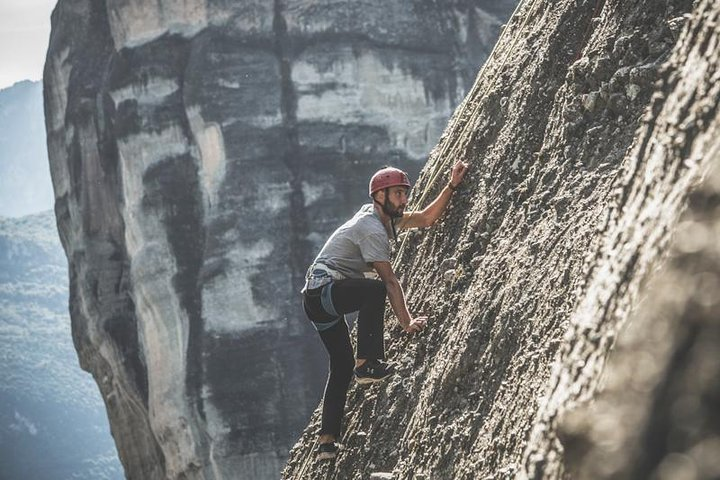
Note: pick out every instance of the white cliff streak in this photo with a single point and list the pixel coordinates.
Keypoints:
(59, 72)
(152, 91)
(164, 323)
(135, 22)
(137, 153)
(313, 193)
(255, 17)
(227, 300)
(365, 90)
(209, 140)
(59, 171)
(484, 28)
(273, 197)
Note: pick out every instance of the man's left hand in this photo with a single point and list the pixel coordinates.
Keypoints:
(458, 172)
(416, 325)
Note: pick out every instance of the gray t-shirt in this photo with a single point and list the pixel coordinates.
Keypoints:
(359, 241)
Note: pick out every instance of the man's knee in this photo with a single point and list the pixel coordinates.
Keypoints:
(379, 289)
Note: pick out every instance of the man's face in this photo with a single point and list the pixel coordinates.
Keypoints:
(396, 201)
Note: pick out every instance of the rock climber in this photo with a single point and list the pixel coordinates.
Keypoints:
(336, 284)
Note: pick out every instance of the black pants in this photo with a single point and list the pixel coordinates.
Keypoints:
(365, 296)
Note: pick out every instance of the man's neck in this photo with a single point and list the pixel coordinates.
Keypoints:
(384, 218)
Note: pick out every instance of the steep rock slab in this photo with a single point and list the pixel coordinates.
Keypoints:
(656, 416)
(674, 148)
(580, 168)
(200, 153)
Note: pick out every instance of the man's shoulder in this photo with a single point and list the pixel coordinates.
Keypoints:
(365, 210)
(367, 221)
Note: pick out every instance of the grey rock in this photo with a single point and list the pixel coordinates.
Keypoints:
(592, 265)
(590, 101)
(201, 152)
(632, 91)
(448, 263)
(449, 276)
(381, 476)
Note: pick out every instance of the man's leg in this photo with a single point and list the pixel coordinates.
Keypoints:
(337, 342)
(367, 297)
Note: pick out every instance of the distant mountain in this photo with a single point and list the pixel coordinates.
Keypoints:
(25, 185)
(53, 423)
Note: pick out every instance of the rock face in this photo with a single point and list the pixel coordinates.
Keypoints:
(201, 152)
(657, 415)
(586, 131)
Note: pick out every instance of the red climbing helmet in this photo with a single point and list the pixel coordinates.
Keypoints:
(388, 177)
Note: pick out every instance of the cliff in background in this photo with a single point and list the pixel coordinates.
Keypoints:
(586, 131)
(201, 152)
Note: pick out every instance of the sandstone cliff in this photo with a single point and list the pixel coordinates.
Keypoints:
(586, 131)
(201, 151)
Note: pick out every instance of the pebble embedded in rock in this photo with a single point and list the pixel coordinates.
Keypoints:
(381, 476)
(448, 263)
(449, 276)
(632, 91)
(590, 101)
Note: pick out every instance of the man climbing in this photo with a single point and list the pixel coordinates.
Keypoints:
(336, 285)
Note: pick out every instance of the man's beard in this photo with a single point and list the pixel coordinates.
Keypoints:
(390, 211)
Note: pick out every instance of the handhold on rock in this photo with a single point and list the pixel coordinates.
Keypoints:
(381, 476)
(448, 263)
(632, 91)
(590, 101)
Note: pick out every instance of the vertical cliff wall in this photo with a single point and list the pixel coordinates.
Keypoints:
(586, 131)
(201, 151)
(656, 416)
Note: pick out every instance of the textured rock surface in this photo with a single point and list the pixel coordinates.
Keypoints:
(585, 132)
(201, 151)
(657, 416)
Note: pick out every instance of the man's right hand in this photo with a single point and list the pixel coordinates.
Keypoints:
(416, 325)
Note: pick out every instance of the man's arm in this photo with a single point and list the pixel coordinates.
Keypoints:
(397, 298)
(430, 214)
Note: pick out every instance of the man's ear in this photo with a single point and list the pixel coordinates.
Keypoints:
(379, 196)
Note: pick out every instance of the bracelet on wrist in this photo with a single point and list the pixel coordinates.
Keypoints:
(451, 186)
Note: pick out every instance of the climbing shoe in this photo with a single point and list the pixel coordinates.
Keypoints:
(373, 371)
(327, 451)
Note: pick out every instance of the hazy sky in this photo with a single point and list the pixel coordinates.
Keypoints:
(24, 35)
